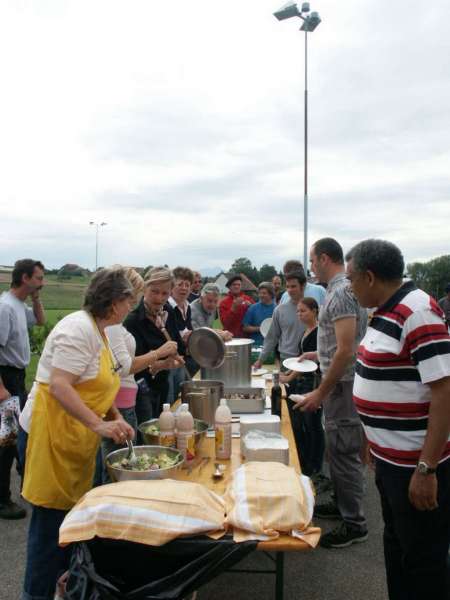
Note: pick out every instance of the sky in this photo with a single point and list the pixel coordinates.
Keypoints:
(180, 125)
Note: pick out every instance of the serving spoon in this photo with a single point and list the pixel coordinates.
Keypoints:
(131, 456)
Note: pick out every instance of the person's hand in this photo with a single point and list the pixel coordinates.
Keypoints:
(311, 402)
(185, 335)
(226, 335)
(284, 377)
(118, 430)
(257, 364)
(423, 491)
(237, 302)
(35, 295)
(171, 362)
(4, 394)
(367, 457)
(308, 356)
(167, 349)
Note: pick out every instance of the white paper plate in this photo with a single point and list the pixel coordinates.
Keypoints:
(258, 372)
(265, 326)
(306, 366)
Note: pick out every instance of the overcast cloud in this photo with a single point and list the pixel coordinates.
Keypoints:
(180, 124)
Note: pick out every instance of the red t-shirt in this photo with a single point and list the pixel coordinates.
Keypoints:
(232, 320)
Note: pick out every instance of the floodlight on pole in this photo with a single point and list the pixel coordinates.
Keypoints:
(97, 226)
(310, 23)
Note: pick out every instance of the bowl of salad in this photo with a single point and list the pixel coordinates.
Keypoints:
(150, 431)
(153, 462)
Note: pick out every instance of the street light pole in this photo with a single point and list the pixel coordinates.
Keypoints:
(97, 225)
(305, 165)
(310, 22)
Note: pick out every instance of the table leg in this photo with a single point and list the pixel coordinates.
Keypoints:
(279, 575)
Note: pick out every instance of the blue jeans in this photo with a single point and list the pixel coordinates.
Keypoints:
(176, 378)
(415, 542)
(46, 561)
(108, 445)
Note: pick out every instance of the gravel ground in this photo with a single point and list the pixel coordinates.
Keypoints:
(353, 573)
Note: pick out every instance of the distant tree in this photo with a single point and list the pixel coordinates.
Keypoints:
(431, 276)
(266, 272)
(244, 265)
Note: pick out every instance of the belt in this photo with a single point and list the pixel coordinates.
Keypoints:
(10, 368)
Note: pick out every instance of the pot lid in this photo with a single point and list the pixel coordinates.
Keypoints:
(207, 348)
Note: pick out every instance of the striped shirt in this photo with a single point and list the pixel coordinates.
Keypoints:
(406, 347)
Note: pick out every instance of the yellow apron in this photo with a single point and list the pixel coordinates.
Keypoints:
(61, 451)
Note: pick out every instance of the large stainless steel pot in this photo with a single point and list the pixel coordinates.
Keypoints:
(203, 398)
(236, 369)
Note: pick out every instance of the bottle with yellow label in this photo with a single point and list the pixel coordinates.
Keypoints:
(222, 425)
(166, 424)
(186, 434)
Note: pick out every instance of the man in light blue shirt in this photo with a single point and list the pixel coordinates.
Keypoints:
(312, 290)
(256, 313)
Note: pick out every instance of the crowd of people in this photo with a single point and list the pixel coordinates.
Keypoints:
(380, 394)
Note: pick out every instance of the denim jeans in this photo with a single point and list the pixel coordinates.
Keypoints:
(46, 561)
(149, 402)
(108, 445)
(176, 378)
(416, 542)
(22, 442)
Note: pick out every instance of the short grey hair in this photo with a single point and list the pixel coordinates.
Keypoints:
(384, 259)
(210, 288)
(266, 285)
(106, 287)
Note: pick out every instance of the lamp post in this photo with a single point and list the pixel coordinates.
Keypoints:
(97, 226)
(310, 22)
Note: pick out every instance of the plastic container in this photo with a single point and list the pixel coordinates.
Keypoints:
(222, 425)
(166, 424)
(186, 434)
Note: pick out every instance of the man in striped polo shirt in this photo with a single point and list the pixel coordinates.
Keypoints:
(402, 393)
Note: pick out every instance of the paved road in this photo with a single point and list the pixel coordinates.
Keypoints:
(355, 573)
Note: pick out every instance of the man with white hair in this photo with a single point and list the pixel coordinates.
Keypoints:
(204, 310)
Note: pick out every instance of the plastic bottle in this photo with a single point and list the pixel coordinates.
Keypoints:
(166, 424)
(222, 423)
(186, 434)
(275, 394)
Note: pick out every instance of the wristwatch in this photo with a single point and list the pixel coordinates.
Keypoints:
(424, 469)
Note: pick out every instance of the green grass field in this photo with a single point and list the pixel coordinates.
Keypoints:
(60, 298)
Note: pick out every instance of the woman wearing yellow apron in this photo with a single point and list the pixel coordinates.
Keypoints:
(73, 407)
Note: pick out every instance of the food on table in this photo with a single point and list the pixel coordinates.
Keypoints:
(147, 462)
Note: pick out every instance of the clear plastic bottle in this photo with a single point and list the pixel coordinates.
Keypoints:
(222, 425)
(186, 434)
(166, 424)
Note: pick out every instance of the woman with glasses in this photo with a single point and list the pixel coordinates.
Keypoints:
(73, 407)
